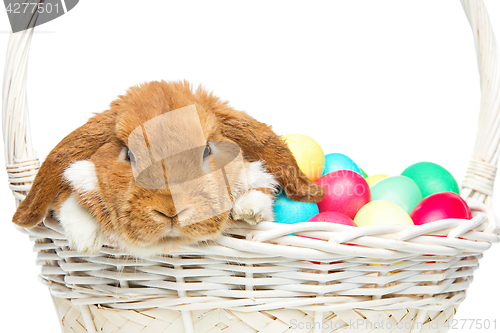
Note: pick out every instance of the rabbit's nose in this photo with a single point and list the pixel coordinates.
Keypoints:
(169, 214)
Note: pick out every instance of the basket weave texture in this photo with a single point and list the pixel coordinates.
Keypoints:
(391, 278)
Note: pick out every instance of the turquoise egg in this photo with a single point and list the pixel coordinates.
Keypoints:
(335, 161)
(400, 190)
(289, 211)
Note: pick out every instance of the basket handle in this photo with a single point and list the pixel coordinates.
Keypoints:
(22, 162)
(20, 157)
(478, 183)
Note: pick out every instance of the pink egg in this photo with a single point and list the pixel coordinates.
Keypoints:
(346, 192)
(333, 217)
(439, 206)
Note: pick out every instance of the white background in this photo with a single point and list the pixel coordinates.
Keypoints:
(389, 83)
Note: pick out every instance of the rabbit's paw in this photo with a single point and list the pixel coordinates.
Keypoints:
(253, 207)
(81, 228)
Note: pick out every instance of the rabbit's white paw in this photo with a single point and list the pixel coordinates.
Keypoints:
(81, 228)
(253, 207)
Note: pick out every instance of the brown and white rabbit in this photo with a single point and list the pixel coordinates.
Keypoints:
(89, 182)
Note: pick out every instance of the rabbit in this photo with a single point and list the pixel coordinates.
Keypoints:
(97, 181)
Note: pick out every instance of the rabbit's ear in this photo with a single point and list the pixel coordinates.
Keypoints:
(259, 142)
(80, 144)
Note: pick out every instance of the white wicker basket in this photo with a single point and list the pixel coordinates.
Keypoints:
(390, 278)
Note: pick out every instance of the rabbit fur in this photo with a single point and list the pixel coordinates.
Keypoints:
(88, 184)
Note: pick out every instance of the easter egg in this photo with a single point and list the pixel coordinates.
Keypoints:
(399, 189)
(308, 154)
(439, 206)
(346, 192)
(289, 211)
(334, 162)
(333, 217)
(381, 212)
(363, 173)
(431, 178)
(372, 180)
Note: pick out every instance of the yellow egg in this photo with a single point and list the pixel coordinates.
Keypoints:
(374, 179)
(308, 154)
(394, 263)
(381, 212)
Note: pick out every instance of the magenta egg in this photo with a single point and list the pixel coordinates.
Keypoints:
(346, 192)
(439, 206)
(332, 217)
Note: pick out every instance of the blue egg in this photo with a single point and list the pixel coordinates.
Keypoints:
(334, 162)
(289, 211)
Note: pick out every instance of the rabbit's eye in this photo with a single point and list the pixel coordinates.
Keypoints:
(130, 156)
(207, 151)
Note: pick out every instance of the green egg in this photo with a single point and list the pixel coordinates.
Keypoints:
(363, 173)
(400, 190)
(431, 178)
